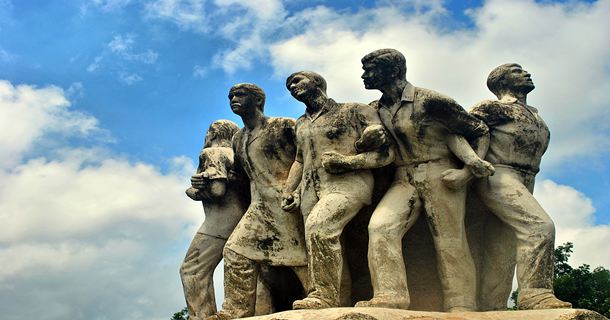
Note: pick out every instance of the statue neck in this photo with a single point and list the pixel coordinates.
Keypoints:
(255, 120)
(392, 93)
(316, 103)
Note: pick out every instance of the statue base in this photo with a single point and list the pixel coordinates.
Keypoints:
(397, 314)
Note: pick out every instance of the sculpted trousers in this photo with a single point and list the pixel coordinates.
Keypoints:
(445, 210)
(197, 270)
(394, 215)
(508, 195)
(240, 284)
(323, 227)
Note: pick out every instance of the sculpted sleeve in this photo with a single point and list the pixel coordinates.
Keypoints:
(367, 115)
(454, 117)
(299, 152)
(491, 112)
(217, 162)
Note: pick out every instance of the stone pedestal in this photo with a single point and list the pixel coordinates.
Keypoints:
(395, 314)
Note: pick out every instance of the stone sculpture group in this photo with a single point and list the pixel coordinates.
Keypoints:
(331, 215)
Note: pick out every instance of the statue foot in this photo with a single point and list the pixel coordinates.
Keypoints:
(382, 302)
(545, 300)
(310, 303)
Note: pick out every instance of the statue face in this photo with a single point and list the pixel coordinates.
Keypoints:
(374, 75)
(242, 101)
(518, 79)
(301, 87)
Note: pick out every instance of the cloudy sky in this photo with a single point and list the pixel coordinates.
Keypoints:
(104, 105)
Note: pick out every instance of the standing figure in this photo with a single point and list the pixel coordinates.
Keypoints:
(519, 138)
(331, 167)
(224, 203)
(430, 131)
(266, 234)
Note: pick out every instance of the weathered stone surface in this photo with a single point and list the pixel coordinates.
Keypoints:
(396, 314)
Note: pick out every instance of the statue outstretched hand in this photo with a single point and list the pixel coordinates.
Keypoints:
(481, 168)
(291, 201)
(372, 138)
(335, 162)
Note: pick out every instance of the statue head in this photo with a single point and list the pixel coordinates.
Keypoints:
(220, 132)
(382, 67)
(304, 85)
(509, 78)
(246, 98)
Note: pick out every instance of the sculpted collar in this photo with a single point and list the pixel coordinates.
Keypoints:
(512, 100)
(329, 104)
(408, 95)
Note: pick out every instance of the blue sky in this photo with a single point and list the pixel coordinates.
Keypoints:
(104, 105)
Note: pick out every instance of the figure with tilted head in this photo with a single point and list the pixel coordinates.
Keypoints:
(519, 138)
(332, 167)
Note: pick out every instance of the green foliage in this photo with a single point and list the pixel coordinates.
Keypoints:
(562, 254)
(181, 315)
(582, 287)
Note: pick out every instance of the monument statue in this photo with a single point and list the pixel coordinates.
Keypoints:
(265, 235)
(421, 123)
(331, 167)
(316, 184)
(519, 138)
(215, 185)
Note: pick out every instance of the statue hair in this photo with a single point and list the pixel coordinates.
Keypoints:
(318, 80)
(388, 58)
(251, 89)
(496, 81)
(220, 131)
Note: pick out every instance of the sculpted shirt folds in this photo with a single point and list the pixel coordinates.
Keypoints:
(335, 128)
(519, 136)
(417, 139)
(266, 232)
(222, 215)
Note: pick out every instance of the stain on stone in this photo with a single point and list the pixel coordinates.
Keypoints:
(356, 316)
(405, 141)
(267, 243)
(336, 132)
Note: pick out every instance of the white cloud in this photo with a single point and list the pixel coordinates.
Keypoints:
(27, 113)
(111, 5)
(95, 64)
(122, 45)
(573, 214)
(250, 25)
(129, 78)
(85, 233)
(187, 14)
(199, 71)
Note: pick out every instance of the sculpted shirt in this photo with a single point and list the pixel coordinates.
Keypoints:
(421, 121)
(335, 128)
(221, 215)
(266, 232)
(519, 136)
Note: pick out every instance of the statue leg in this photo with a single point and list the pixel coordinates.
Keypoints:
(506, 195)
(445, 212)
(197, 271)
(241, 275)
(323, 229)
(264, 301)
(394, 215)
